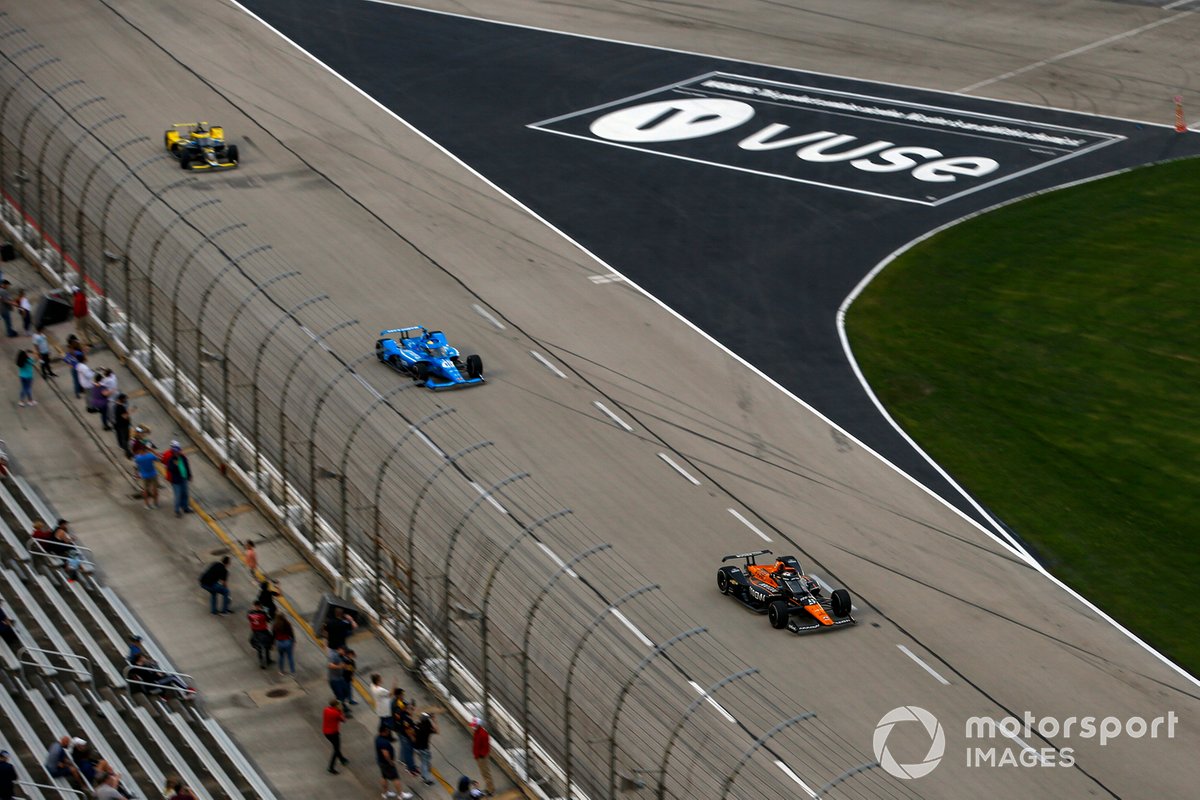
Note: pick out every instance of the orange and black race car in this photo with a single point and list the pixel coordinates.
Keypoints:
(789, 598)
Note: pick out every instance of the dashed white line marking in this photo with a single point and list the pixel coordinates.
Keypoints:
(495, 503)
(625, 621)
(748, 524)
(547, 364)
(787, 771)
(700, 690)
(678, 469)
(1024, 745)
(611, 277)
(923, 665)
(554, 557)
(483, 312)
(612, 416)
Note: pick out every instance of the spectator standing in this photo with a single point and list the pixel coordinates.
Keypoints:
(251, 558)
(383, 700)
(41, 343)
(348, 669)
(337, 681)
(385, 757)
(122, 417)
(25, 373)
(98, 396)
(285, 643)
(79, 310)
(260, 634)
(426, 729)
(25, 309)
(71, 359)
(215, 581)
(84, 378)
(406, 728)
(339, 628)
(481, 751)
(331, 725)
(146, 462)
(179, 475)
(6, 307)
(8, 777)
(266, 598)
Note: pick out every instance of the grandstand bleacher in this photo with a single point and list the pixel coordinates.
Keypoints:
(70, 677)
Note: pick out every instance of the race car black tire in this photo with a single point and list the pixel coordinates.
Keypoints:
(421, 371)
(474, 366)
(723, 582)
(840, 603)
(184, 161)
(395, 363)
(231, 152)
(777, 614)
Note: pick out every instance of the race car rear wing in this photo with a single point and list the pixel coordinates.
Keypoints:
(747, 556)
(409, 329)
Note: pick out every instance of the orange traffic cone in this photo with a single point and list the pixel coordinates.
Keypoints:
(1180, 125)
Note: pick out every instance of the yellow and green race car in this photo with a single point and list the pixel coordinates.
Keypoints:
(199, 146)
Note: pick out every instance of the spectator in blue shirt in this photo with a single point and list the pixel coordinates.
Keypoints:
(146, 462)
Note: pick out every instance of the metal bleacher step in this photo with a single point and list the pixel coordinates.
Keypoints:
(235, 755)
(23, 774)
(132, 625)
(115, 721)
(34, 610)
(198, 748)
(52, 724)
(27, 493)
(96, 739)
(26, 637)
(167, 748)
(15, 510)
(14, 542)
(100, 659)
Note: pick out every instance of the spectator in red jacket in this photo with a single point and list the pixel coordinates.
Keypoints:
(481, 749)
(79, 309)
(261, 637)
(331, 725)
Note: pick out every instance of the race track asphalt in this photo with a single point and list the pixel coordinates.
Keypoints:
(398, 233)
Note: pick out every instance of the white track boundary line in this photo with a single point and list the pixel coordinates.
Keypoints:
(729, 59)
(1013, 546)
(1077, 51)
(788, 771)
(762, 375)
(923, 665)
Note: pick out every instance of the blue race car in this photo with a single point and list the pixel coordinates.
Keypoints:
(427, 357)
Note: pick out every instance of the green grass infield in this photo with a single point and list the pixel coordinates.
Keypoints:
(1047, 354)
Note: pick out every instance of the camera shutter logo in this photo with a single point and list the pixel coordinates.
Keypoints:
(937, 744)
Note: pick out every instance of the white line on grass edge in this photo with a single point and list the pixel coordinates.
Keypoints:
(938, 498)
(1020, 551)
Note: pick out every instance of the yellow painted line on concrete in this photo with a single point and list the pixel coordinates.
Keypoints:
(290, 610)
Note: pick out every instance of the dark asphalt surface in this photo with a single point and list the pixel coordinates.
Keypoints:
(757, 248)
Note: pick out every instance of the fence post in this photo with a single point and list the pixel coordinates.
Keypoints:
(759, 742)
(62, 175)
(41, 166)
(448, 636)
(384, 466)
(691, 709)
(20, 174)
(527, 530)
(565, 569)
(208, 239)
(637, 671)
(591, 628)
(162, 235)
